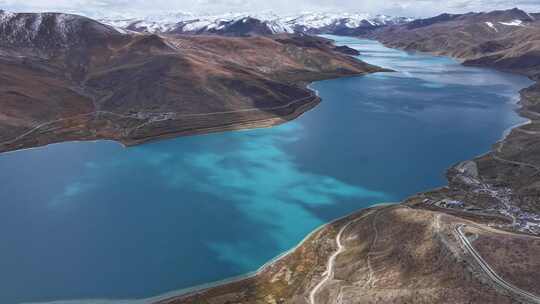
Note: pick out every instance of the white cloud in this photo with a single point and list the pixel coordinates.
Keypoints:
(392, 7)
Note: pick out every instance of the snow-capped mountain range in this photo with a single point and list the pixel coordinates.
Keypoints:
(260, 23)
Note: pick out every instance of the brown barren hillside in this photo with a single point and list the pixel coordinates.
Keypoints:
(66, 77)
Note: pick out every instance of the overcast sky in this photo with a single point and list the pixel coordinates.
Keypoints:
(414, 8)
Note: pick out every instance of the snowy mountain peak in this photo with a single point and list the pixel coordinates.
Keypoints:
(51, 30)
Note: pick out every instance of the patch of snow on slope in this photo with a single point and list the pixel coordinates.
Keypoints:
(62, 25)
(121, 22)
(492, 26)
(5, 16)
(120, 30)
(513, 23)
(278, 27)
(320, 20)
(196, 25)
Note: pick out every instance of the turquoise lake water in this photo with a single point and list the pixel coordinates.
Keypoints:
(86, 220)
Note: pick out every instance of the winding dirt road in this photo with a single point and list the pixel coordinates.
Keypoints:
(329, 273)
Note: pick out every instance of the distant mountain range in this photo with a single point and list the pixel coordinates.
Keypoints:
(258, 24)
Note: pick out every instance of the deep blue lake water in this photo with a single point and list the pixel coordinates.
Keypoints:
(94, 220)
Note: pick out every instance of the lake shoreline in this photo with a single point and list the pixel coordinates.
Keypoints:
(200, 288)
(291, 111)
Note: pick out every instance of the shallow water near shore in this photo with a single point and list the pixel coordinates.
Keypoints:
(83, 220)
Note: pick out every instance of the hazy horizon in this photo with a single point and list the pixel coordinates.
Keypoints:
(412, 8)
